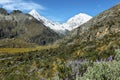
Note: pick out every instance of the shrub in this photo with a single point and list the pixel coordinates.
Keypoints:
(103, 70)
(117, 57)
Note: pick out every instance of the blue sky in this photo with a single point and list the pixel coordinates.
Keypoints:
(59, 10)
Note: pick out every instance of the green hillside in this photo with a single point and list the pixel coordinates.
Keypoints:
(97, 38)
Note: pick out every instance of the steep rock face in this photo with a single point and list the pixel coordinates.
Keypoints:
(98, 37)
(25, 27)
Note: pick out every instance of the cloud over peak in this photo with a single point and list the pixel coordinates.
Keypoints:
(20, 5)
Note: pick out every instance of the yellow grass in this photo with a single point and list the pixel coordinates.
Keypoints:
(21, 50)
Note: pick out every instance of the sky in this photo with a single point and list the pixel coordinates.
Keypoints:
(59, 10)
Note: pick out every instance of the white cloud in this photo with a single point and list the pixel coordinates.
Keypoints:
(2, 2)
(20, 5)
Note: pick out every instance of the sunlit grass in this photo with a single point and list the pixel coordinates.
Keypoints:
(22, 50)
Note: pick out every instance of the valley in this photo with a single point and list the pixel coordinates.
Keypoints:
(87, 49)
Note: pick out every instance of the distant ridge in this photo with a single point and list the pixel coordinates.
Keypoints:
(24, 27)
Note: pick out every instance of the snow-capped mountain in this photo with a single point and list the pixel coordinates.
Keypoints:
(72, 23)
(76, 21)
(53, 25)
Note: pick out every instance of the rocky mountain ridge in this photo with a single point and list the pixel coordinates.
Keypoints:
(23, 26)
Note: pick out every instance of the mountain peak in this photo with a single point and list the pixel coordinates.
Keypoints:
(34, 11)
(72, 23)
(77, 20)
(53, 25)
(36, 15)
(80, 16)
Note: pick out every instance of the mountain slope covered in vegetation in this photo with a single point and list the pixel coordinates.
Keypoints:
(23, 26)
